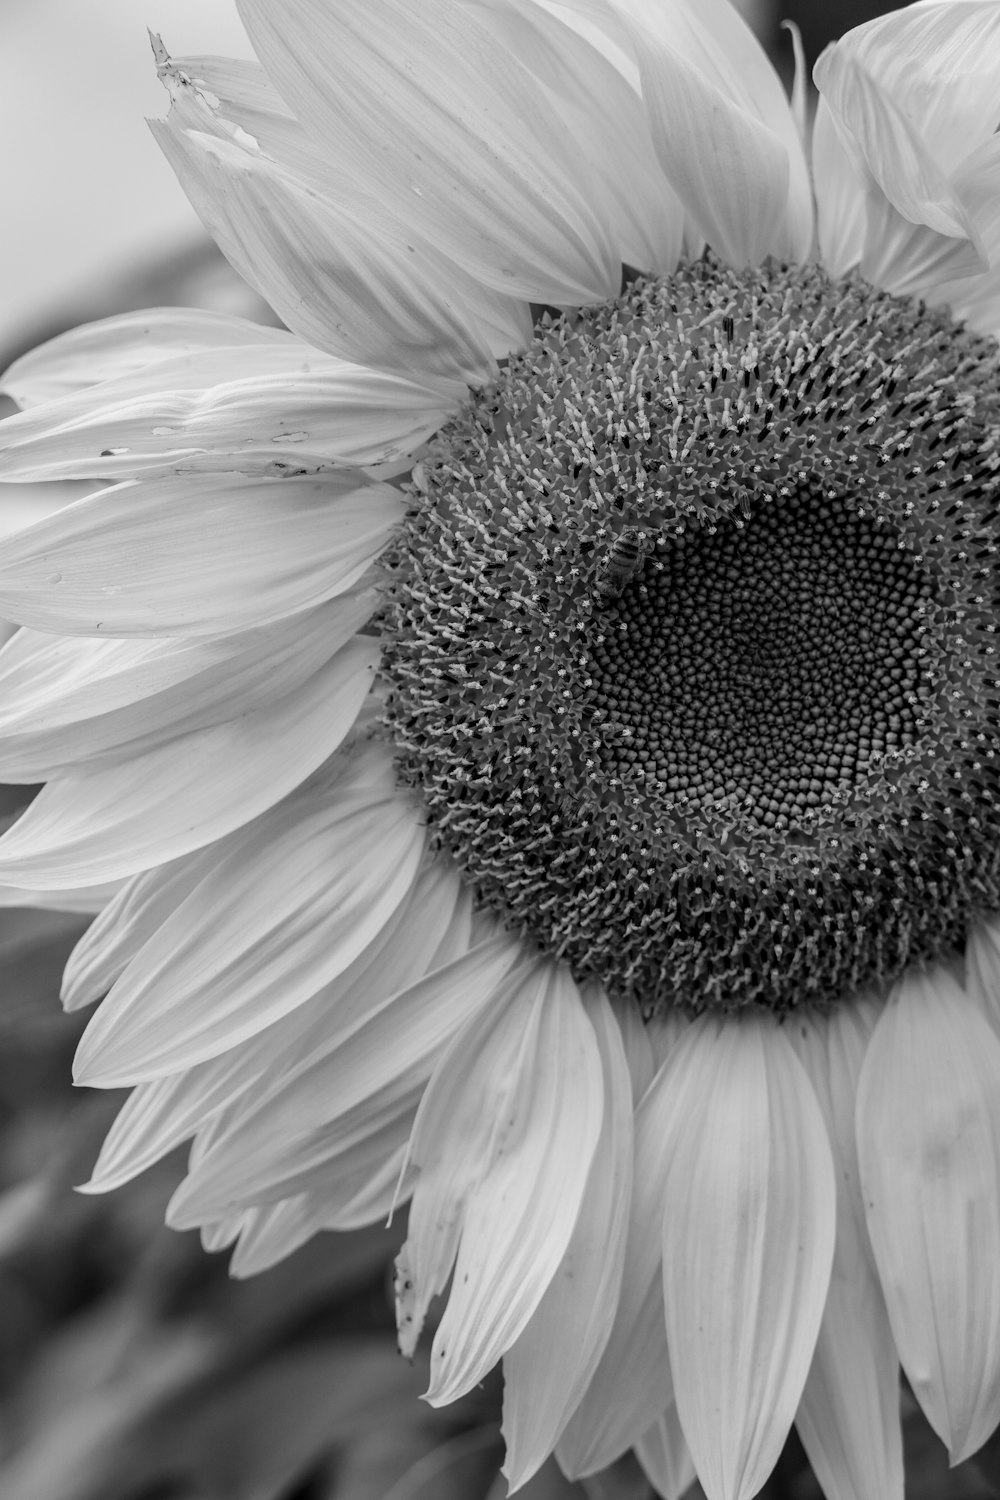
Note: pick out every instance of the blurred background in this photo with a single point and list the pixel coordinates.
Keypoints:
(132, 1367)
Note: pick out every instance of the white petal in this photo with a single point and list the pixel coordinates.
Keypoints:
(452, 131)
(127, 922)
(117, 348)
(632, 1384)
(645, 215)
(319, 1116)
(85, 898)
(122, 561)
(848, 1417)
(67, 702)
(914, 94)
(548, 1368)
(271, 1233)
(840, 196)
(504, 1139)
(293, 903)
(928, 1123)
(665, 1458)
(104, 824)
(748, 1235)
(271, 409)
(342, 274)
(939, 65)
(982, 960)
(910, 259)
(722, 128)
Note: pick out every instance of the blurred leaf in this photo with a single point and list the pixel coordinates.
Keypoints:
(460, 1469)
(249, 1440)
(624, 1480)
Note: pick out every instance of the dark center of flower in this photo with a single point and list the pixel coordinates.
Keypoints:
(690, 640)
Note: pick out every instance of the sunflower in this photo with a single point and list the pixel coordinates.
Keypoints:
(531, 729)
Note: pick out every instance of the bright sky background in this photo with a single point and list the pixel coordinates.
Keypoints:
(83, 187)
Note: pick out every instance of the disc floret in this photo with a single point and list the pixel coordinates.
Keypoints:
(690, 645)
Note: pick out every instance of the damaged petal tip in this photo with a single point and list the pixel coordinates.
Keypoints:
(409, 1319)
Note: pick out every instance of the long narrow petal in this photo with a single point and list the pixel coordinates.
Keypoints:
(840, 197)
(928, 1123)
(632, 1384)
(277, 917)
(748, 1235)
(270, 408)
(665, 1457)
(266, 548)
(982, 960)
(722, 128)
(645, 215)
(107, 823)
(848, 1417)
(119, 347)
(161, 1114)
(68, 702)
(321, 1112)
(342, 274)
(504, 1140)
(444, 119)
(542, 1387)
(271, 1233)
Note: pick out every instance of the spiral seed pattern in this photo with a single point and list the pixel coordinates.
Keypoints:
(690, 640)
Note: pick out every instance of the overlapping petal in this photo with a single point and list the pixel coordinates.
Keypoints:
(646, 217)
(914, 98)
(848, 1417)
(337, 267)
(106, 823)
(274, 408)
(420, 100)
(331, 1111)
(276, 917)
(723, 131)
(664, 1455)
(119, 347)
(510, 1120)
(748, 1236)
(266, 548)
(575, 1315)
(928, 1126)
(73, 701)
(632, 1384)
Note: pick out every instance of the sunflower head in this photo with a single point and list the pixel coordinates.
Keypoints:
(543, 766)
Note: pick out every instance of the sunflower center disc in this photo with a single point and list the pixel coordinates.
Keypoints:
(690, 642)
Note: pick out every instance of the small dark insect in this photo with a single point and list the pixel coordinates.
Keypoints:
(620, 564)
